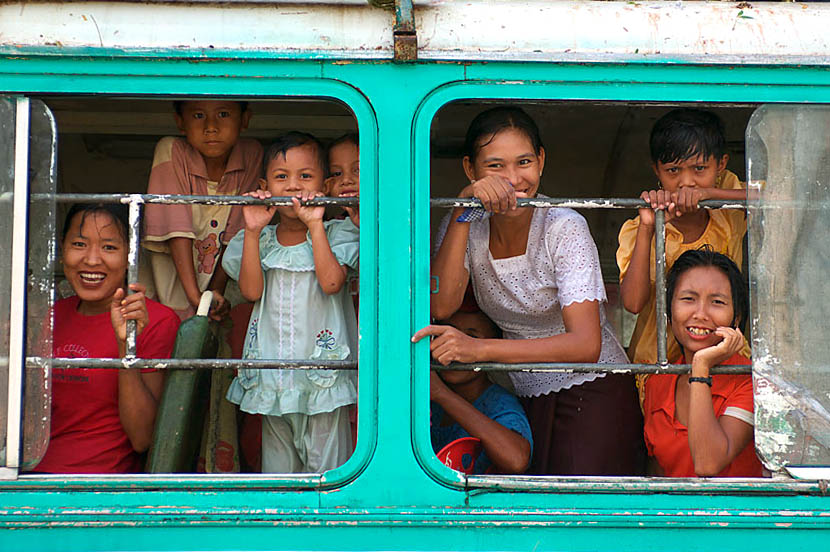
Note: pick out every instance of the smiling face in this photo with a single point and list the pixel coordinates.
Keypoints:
(702, 302)
(694, 172)
(509, 153)
(297, 171)
(212, 126)
(344, 170)
(94, 259)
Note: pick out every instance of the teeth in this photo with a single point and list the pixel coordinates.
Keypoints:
(92, 276)
(700, 331)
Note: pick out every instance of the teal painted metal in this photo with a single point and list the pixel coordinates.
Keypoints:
(393, 493)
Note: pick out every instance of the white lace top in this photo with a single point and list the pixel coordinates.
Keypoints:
(524, 295)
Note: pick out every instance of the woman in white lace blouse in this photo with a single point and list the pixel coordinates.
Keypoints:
(536, 273)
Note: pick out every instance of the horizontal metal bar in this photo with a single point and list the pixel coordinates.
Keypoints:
(480, 484)
(278, 364)
(193, 363)
(167, 199)
(447, 202)
(579, 203)
(581, 368)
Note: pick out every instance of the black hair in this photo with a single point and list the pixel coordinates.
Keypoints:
(178, 104)
(116, 211)
(704, 257)
(489, 123)
(348, 138)
(684, 133)
(291, 140)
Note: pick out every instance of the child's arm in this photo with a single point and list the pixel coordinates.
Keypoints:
(581, 342)
(686, 199)
(257, 217)
(509, 451)
(218, 282)
(635, 287)
(331, 275)
(138, 393)
(714, 442)
(181, 249)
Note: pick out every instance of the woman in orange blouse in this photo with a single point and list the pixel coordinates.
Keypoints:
(697, 424)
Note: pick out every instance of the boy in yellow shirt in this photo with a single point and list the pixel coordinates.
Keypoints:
(688, 153)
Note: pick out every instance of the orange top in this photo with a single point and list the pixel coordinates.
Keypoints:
(667, 440)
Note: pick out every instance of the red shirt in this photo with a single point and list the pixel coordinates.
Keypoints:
(86, 434)
(667, 440)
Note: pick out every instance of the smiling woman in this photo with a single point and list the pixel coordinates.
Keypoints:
(583, 423)
(102, 419)
(697, 424)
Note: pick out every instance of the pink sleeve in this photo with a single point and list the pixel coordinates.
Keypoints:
(169, 175)
(249, 181)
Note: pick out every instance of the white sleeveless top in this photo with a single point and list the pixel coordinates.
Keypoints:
(524, 295)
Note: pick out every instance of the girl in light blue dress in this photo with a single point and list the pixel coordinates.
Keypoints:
(296, 271)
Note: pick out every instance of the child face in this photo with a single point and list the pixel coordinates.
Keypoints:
(509, 154)
(690, 173)
(474, 324)
(212, 126)
(94, 259)
(297, 171)
(702, 303)
(344, 168)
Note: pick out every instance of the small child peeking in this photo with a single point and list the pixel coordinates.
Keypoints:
(295, 271)
(467, 404)
(344, 171)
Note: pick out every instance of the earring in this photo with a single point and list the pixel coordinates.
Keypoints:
(659, 185)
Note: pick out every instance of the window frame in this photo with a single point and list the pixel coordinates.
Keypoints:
(535, 90)
(248, 89)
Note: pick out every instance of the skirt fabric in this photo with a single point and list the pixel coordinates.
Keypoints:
(595, 428)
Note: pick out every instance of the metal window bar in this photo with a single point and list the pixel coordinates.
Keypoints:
(662, 366)
(136, 200)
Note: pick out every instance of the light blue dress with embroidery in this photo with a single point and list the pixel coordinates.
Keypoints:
(295, 319)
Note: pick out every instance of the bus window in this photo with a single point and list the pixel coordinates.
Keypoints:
(593, 150)
(107, 147)
(42, 145)
(788, 153)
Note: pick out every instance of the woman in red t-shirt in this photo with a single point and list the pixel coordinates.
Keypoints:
(103, 418)
(697, 424)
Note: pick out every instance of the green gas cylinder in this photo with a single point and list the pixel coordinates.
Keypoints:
(181, 412)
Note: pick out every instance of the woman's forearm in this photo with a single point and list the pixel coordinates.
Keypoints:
(138, 396)
(448, 268)
(565, 347)
(713, 442)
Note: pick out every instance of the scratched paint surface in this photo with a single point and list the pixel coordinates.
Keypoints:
(788, 154)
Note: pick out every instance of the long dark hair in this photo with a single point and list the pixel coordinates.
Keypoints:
(704, 257)
(489, 123)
